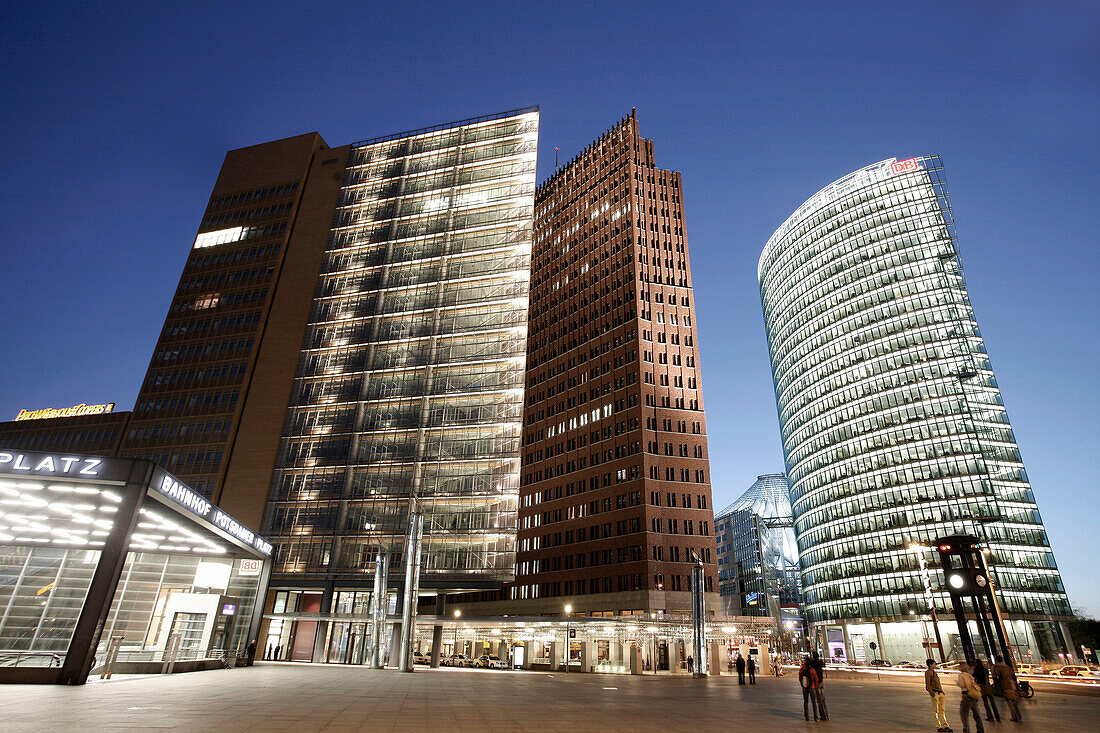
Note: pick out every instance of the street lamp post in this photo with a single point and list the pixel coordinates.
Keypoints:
(1006, 648)
(928, 597)
(454, 651)
(568, 643)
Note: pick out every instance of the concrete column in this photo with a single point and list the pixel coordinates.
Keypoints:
(555, 655)
(528, 653)
(588, 656)
(1067, 639)
(393, 658)
(616, 654)
(675, 649)
(717, 663)
(437, 629)
(321, 635)
(878, 637)
(765, 660)
(635, 659)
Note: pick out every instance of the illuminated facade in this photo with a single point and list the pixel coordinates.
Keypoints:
(410, 383)
(758, 572)
(893, 427)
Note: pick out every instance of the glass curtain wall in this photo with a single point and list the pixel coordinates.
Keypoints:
(893, 426)
(410, 384)
(758, 557)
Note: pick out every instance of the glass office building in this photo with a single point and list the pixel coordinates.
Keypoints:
(893, 426)
(758, 571)
(410, 383)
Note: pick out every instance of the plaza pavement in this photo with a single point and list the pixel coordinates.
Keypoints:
(283, 697)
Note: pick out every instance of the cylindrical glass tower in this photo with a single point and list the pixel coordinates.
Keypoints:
(893, 427)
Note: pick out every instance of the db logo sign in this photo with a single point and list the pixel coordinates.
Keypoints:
(904, 166)
(249, 567)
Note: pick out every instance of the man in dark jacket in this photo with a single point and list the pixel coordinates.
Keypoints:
(981, 676)
(740, 670)
(752, 671)
(819, 667)
(1005, 678)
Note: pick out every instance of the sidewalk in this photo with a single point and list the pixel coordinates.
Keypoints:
(278, 697)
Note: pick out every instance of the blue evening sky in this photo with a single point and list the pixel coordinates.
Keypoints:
(116, 118)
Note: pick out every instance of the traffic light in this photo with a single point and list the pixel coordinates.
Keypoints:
(966, 581)
(960, 558)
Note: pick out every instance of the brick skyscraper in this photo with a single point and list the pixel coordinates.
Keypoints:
(615, 494)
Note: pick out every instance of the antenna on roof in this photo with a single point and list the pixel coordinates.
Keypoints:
(555, 160)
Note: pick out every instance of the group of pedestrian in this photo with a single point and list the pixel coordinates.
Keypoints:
(811, 674)
(976, 683)
(742, 667)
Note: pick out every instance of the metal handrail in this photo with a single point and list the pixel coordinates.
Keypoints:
(7, 656)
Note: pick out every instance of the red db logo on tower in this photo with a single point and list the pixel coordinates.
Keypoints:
(904, 166)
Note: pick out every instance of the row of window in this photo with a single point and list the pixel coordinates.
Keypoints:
(247, 196)
(186, 379)
(168, 407)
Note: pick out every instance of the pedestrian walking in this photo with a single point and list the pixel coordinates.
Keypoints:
(819, 666)
(1005, 678)
(691, 665)
(251, 652)
(939, 699)
(808, 679)
(968, 703)
(740, 669)
(982, 677)
(752, 671)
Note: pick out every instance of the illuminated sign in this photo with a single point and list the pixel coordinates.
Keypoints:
(905, 166)
(194, 502)
(184, 495)
(74, 411)
(44, 589)
(228, 609)
(40, 463)
(249, 567)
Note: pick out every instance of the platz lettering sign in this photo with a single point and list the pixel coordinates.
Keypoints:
(905, 166)
(47, 465)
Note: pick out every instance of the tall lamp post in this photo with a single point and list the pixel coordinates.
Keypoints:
(568, 642)
(454, 652)
(919, 549)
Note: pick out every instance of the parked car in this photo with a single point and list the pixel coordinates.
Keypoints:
(878, 663)
(421, 658)
(461, 660)
(1028, 668)
(487, 661)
